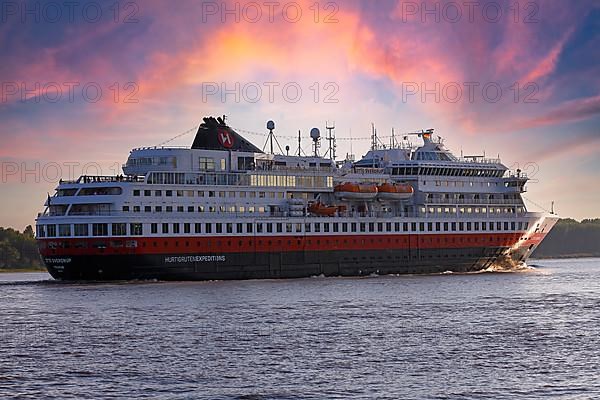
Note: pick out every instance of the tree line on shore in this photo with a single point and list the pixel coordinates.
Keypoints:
(18, 249)
(568, 238)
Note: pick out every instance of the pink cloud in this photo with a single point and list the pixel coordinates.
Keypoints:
(571, 111)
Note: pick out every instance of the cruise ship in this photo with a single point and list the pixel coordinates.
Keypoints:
(225, 209)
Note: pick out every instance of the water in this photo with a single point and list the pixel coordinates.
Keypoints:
(525, 335)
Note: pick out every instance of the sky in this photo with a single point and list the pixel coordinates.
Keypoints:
(84, 82)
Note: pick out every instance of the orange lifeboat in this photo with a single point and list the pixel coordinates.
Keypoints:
(319, 208)
(395, 191)
(355, 191)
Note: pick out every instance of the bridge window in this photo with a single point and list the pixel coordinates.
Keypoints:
(64, 230)
(80, 229)
(100, 191)
(40, 231)
(119, 229)
(136, 229)
(51, 230)
(206, 164)
(66, 192)
(100, 229)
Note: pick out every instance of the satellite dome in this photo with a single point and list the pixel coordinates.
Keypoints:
(315, 134)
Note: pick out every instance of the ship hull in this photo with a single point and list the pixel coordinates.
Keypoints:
(271, 257)
(271, 265)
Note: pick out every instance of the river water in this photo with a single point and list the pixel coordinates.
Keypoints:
(520, 335)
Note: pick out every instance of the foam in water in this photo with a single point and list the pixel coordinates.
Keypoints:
(507, 264)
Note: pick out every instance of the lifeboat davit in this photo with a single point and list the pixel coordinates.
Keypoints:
(319, 208)
(355, 191)
(395, 191)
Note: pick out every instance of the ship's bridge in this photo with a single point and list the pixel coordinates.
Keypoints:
(433, 151)
(430, 158)
(216, 148)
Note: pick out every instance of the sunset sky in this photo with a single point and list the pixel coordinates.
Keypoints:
(356, 63)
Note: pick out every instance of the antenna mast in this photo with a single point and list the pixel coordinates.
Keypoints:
(373, 139)
(270, 127)
(331, 139)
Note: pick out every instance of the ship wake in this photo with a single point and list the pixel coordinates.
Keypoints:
(507, 264)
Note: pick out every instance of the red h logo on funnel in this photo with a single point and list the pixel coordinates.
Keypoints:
(225, 138)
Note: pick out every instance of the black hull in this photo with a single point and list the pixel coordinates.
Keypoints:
(272, 265)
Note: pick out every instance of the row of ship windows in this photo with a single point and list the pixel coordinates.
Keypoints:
(472, 210)
(446, 172)
(212, 209)
(465, 183)
(137, 229)
(209, 193)
(261, 209)
(236, 179)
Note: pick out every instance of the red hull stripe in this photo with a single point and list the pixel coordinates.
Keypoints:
(241, 244)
